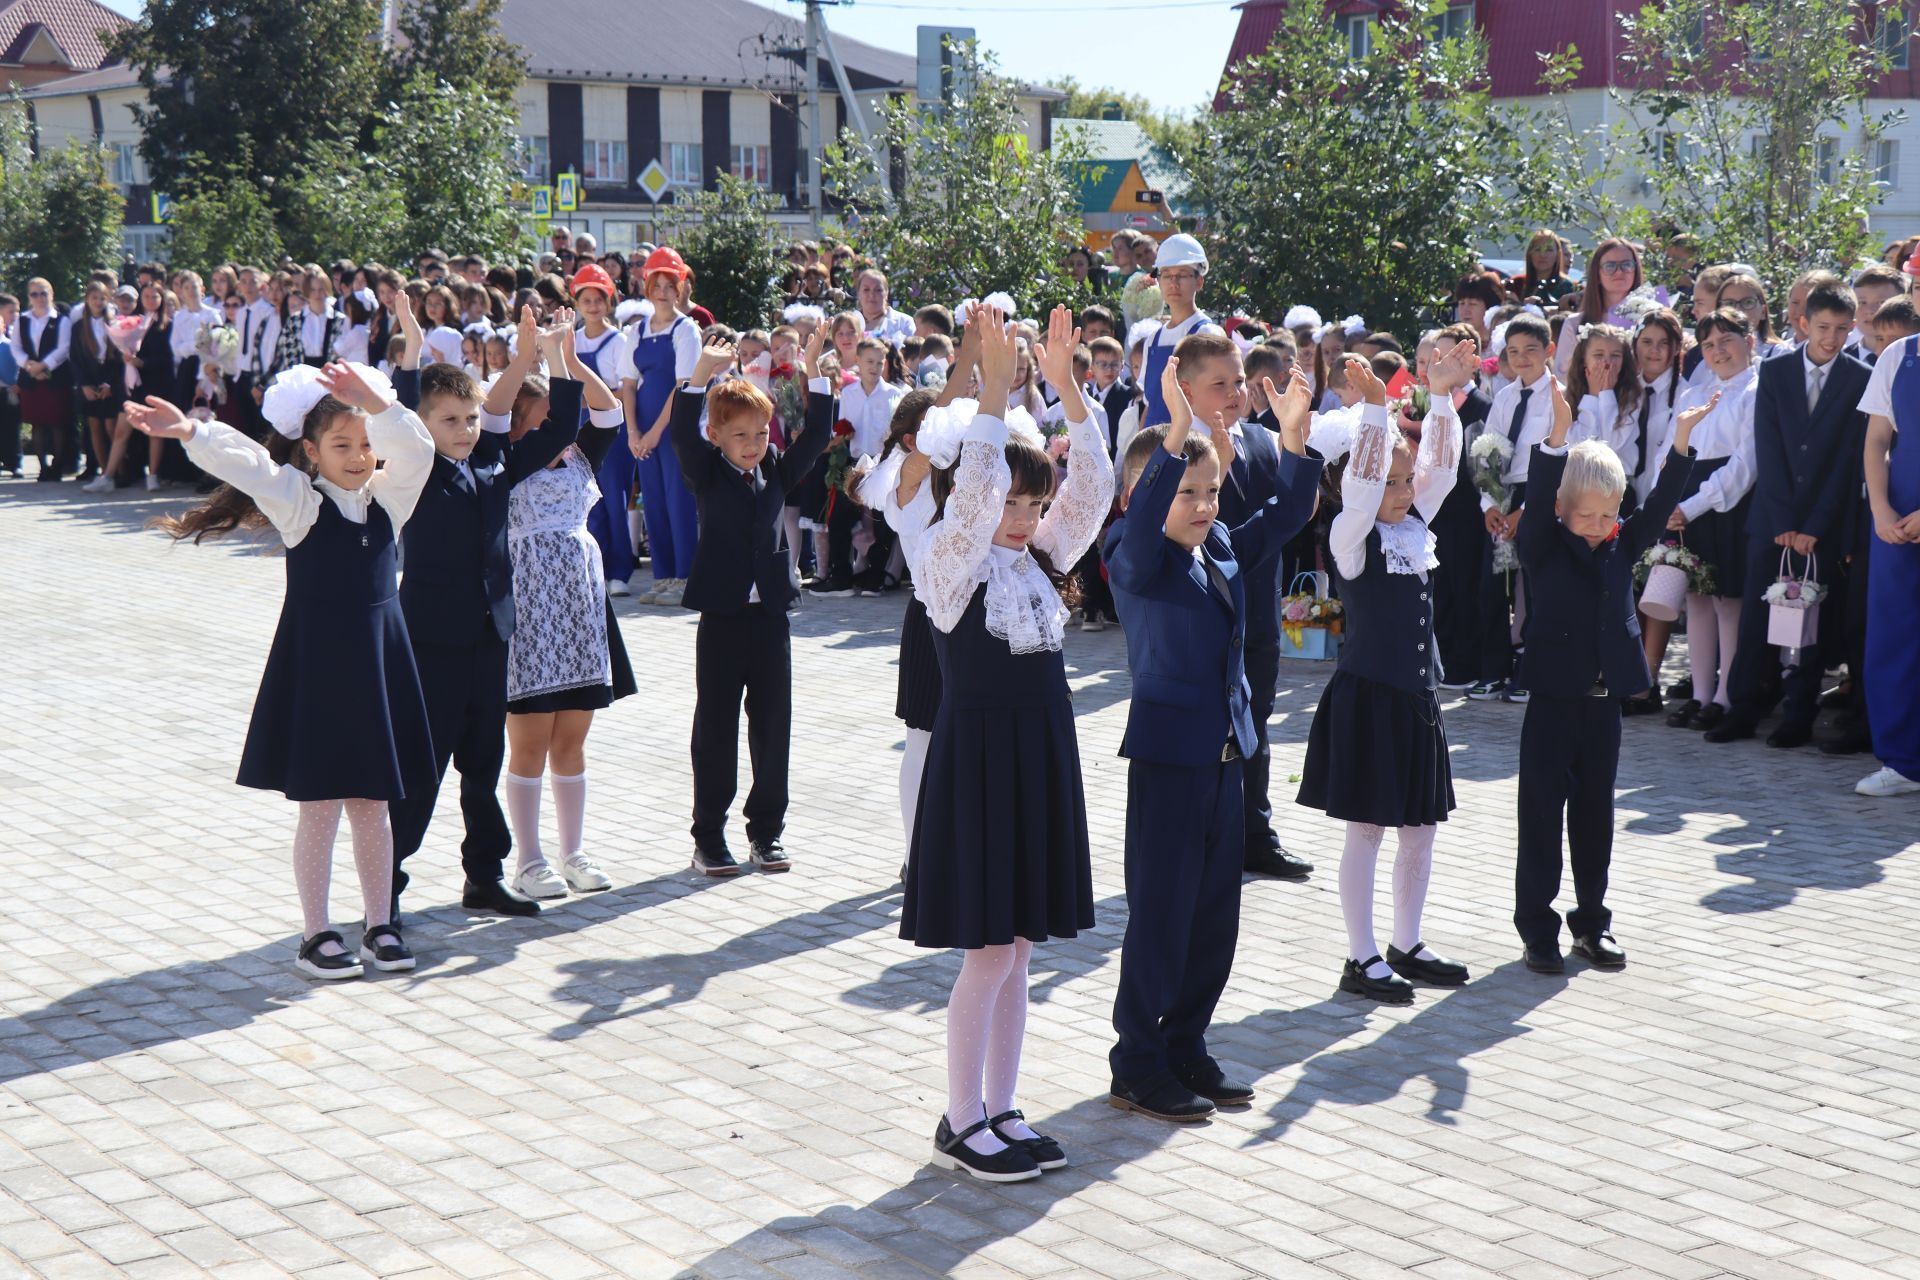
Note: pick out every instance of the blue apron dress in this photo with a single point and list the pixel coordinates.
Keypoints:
(1893, 589)
(607, 521)
(672, 520)
(1159, 349)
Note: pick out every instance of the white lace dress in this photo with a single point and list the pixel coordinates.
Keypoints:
(566, 652)
(1000, 842)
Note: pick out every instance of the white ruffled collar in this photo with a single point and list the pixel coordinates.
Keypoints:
(1409, 547)
(1022, 607)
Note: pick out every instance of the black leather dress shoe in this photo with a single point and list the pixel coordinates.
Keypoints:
(1206, 1078)
(1645, 704)
(769, 856)
(717, 861)
(1730, 729)
(1601, 951)
(1546, 959)
(1392, 989)
(1787, 736)
(1163, 1097)
(1439, 971)
(495, 899)
(1010, 1164)
(1681, 716)
(1272, 860)
(1708, 716)
(1850, 744)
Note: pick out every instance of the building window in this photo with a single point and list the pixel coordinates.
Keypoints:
(752, 164)
(603, 162)
(532, 155)
(1886, 163)
(683, 165)
(1454, 22)
(128, 170)
(144, 243)
(1891, 33)
(1356, 32)
(1826, 159)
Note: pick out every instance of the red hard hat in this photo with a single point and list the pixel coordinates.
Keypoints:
(593, 276)
(665, 259)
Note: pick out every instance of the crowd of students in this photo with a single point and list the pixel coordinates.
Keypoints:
(1482, 509)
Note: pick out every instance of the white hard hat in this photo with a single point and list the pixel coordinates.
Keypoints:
(1181, 250)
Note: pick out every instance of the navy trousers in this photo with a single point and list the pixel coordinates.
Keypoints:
(1185, 853)
(1263, 675)
(466, 693)
(1569, 756)
(750, 653)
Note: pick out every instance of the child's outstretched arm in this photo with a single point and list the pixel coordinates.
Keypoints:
(816, 434)
(399, 439)
(1079, 509)
(959, 542)
(1364, 482)
(506, 387)
(1436, 464)
(1261, 536)
(285, 496)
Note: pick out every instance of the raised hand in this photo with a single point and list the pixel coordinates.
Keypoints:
(1601, 374)
(559, 322)
(526, 334)
(810, 354)
(714, 357)
(1055, 355)
(409, 330)
(1688, 419)
(1361, 377)
(1455, 369)
(1562, 414)
(998, 356)
(348, 387)
(159, 418)
(1293, 409)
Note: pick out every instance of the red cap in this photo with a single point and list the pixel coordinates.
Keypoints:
(664, 259)
(593, 276)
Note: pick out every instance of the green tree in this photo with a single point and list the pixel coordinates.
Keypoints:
(459, 42)
(729, 239)
(1355, 184)
(271, 78)
(60, 213)
(1751, 127)
(979, 209)
(448, 152)
(342, 203)
(224, 217)
(1174, 131)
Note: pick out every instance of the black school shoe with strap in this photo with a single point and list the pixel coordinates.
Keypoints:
(1392, 989)
(327, 968)
(1045, 1151)
(384, 949)
(950, 1151)
(1439, 971)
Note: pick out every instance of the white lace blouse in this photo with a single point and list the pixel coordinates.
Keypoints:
(1409, 546)
(1022, 606)
(290, 498)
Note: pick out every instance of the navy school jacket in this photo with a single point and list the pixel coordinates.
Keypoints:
(1581, 625)
(458, 577)
(1185, 642)
(1808, 466)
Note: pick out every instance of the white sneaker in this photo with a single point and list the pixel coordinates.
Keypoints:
(671, 593)
(1093, 622)
(99, 484)
(618, 588)
(584, 874)
(154, 483)
(539, 882)
(1889, 781)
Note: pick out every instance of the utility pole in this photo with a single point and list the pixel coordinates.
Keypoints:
(813, 111)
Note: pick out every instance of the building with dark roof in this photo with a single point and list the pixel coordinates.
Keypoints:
(45, 40)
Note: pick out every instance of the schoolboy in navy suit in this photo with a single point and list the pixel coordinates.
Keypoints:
(1809, 442)
(741, 586)
(1585, 657)
(456, 590)
(1180, 582)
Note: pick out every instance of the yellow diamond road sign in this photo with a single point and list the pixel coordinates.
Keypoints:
(652, 181)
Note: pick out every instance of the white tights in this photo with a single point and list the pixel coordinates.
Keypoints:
(913, 762)
(1412, 867)
(986, 1025)
(1713, 625)
(523, 810)
(313, 860)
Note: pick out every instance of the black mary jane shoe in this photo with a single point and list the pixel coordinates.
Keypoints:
(384, 949)
(327, 968)
(1392, 989)
(1600, 951)
(950, 1151)
(1045, 1151)
(1681, 717)
(1712, 716)
(1439, 971)
(1204, 1077)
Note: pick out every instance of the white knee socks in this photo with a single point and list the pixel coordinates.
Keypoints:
(523, 810)
(973, 1037)
(313, 837)
(913, 762)
(570, 806)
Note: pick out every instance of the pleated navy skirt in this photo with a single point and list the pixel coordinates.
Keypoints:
(1000, 841)
(1377, 754)
(916, 700)
(1719, 537)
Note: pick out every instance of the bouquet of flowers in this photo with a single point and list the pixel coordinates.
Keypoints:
(125, 331)
(218, 347)
(1675, 555)
(1140, 299)
(1304, 609)
(788, 387)
(1795, 593)
(1489, 453)
(839, 466)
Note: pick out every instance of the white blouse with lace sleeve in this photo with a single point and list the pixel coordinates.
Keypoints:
(1436, 466)
(1079, 509)
(955, 557)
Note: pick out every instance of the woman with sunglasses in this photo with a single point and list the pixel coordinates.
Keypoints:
(1613, 272)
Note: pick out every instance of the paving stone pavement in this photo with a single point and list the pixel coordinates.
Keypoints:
(681, 1077)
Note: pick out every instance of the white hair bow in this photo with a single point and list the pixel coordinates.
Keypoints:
(292, 395)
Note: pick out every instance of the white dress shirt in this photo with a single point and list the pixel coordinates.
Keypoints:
(28, 333)
(1534, 428)
(1727, 432)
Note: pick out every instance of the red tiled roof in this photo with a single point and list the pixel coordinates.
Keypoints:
(74, 25)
